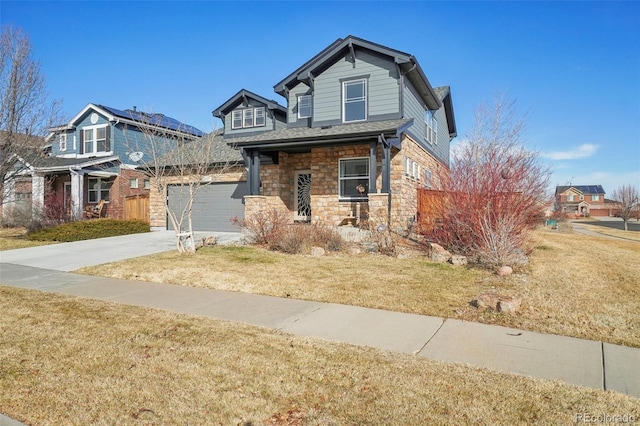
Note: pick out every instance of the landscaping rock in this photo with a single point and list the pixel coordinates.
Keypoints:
(317, 251)
(369, 247)
(438, 253)
(353, 251)
(505, 270)
(458, 260)
(509, 305)
(486, 300)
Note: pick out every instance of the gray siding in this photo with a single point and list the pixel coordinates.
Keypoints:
(383, 97)
(413, 108)
(292, 102)
(270, 122)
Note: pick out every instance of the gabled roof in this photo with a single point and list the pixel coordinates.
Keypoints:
(133, 117)
(444, 95)
(407, 63)
(330, 134)
(242, 96)
(583, 189)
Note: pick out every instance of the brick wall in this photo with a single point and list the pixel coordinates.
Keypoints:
(120, 189)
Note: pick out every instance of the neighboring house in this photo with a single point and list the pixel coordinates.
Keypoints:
(584, 200)
(93, 160)
(362, 129)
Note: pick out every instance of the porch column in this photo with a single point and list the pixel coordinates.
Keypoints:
(77, 192)
(386, 166)
(37, 194)
(254, 172)
(372, 167)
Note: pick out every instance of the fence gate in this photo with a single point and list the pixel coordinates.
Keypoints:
(136, 207)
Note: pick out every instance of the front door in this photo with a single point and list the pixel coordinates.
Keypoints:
(303, 195)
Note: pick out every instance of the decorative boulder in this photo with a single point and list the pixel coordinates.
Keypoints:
(439, 254)
(458, 260)
(505, 270)
(509, 305)
(317, 251)
(486, 300)
(354, 251)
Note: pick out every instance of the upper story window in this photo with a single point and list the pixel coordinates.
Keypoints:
(571, 197)
(248, 117)
(431, 127)
(304, 106)
(95, 139)
(354, 178)
(354, 100)
(595, 198)
(62, 143)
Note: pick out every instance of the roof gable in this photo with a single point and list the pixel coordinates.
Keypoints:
(581, 189)
(407, 63)
(242, 97)
(133, 117)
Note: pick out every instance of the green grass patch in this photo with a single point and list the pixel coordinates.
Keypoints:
(89, 229)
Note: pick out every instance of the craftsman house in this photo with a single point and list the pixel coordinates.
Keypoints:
(583, 200)
(362, 129)
(91, 168)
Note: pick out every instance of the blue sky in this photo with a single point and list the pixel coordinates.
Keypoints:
(572, 67)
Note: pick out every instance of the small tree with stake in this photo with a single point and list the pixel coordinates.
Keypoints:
(170, 157)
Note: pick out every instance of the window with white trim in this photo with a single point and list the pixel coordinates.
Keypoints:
(428, 178)
(353, 178)
(133, 183)
(595, 198)
(431, 127)
(304, 106)
(354, 100)
(95, 139)
(62, 142)
(147, 184)
(571, 197)
(99, 189)
(248, 117)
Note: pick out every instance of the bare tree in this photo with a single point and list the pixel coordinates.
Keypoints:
(25, 111)
(168, 158)
(627, 197)
(495, 190)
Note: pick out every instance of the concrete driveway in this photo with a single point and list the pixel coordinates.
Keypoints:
(67, 257)
(611, 222)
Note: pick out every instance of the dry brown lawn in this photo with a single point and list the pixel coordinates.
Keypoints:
(14, 238)
(575, 285)
(66, 360)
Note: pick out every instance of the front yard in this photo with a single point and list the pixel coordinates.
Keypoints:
(575, 285)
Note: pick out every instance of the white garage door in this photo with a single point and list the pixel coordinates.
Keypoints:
(214, 207)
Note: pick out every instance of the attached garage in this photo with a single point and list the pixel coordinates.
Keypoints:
(214, 207)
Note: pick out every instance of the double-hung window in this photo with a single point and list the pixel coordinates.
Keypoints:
(248, 117)
(95, 139)
(62, 146)
(595, 198)
(354, 178)
(354, 100)
(304, 106)
(431, 127)
(99, 189)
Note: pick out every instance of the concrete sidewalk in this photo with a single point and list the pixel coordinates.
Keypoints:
(579, 362)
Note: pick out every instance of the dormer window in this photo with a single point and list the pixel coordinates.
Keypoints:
(304, 106)
(248, 117)
(354, 100)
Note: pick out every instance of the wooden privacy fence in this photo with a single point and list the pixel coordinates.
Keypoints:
(431, 204)
(136, 207)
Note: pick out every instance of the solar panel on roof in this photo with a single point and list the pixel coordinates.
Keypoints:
(159, 120)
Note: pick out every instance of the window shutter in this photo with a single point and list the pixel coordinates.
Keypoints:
(81, 148)
(107, 142)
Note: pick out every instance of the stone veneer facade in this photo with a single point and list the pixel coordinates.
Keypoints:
(278, 187)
